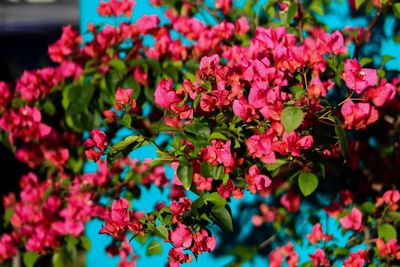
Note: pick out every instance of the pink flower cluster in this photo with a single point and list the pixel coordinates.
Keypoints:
(119, 220)
(42, 216)
(24, 123)
(282, 254)
(115, 8)
(183, 238)
(96, 145)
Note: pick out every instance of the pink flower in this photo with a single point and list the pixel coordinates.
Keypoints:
(123, 98)
(291, 201)
(209, 64)
(334, 42)
(65, 46)
(202, 184)
(319, 259)
(165, 96)
(229, 189)
(5, 96)
(391, 248)
(381, 94)
(346, 197)
(257, 181)
(358, 116)
(317, 234)
(147, 23)
(98, 139)
(25, 123)
(140, 76)
(390, 198)
(203, 242)
(318, 88)
(242, 25)
(181, 236)
(292, 143)
(352, 220)
(260, 146)
(244, 110)
(224, 5)
(219, 153)
(7, 247)
(276, 258)
(70, 69)
(207, 102)
(178, 208)
(177, 256)
(358, 78)
(115, 8)
(119, 211)
(356, 259)
(334, 209)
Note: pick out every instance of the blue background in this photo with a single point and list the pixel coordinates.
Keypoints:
(337, 18)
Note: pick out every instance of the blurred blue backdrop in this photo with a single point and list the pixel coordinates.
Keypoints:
(337, 18)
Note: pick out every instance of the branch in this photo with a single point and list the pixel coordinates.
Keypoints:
(370, 26)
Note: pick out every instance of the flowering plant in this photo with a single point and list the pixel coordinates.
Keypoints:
(253, 101)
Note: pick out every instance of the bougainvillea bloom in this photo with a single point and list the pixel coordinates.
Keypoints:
(317, 234)
(358, 78)
(352, 220)
(381, 94)
(358, 115)
(181, 236)
(116, 8)
(319, 259)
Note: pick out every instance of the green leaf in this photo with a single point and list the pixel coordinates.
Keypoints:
(57, 260)
(117, 64)
(161, 231)
(395, 216)
(142, 238)
(196, 101)
(366, 60)
(387, 232)
(124, 147)
(297, 91)
(317, 7)
(244, 252)
(308, 182)
(185, 175)
(342, 137)
(278, 163)
(198, 129)
(386, 58)
(368, 207)
(216, 199)
(359, 3)
(5, 140)
(292, 11)
(218, 135)
(212, 171)
(341, 251)
(222, 218)
(291, 118)
(30, 258)
(76, 98)
(396, 10)
(154, 248)
(381, 73)
(126, 120)
(85, 243)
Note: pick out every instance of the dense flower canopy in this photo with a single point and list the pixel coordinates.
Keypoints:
(266, 103)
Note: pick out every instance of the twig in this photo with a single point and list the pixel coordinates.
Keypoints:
(370, 26)
(267, 242)
(301, 22)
